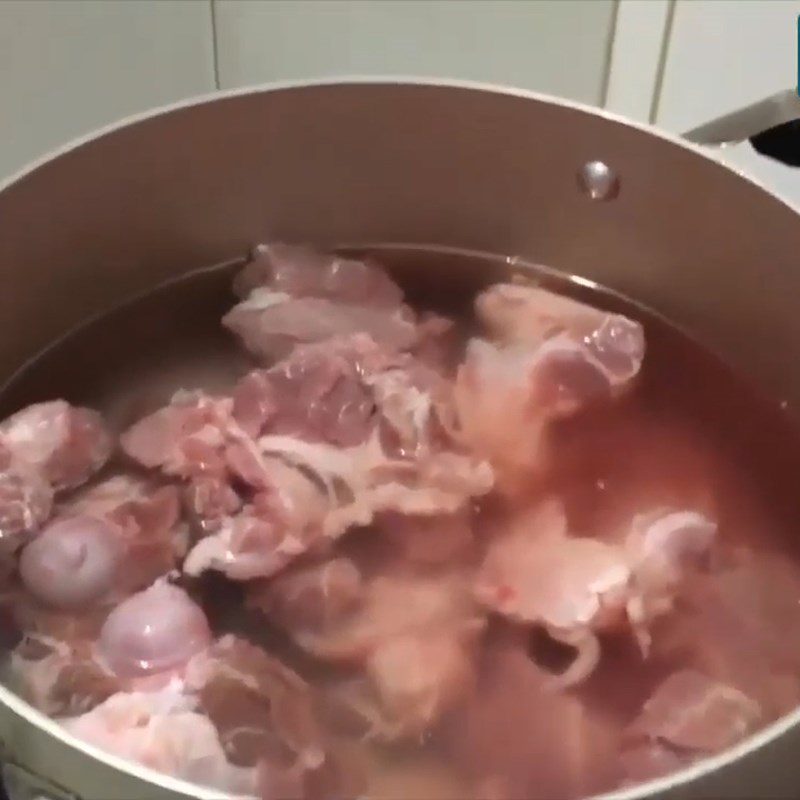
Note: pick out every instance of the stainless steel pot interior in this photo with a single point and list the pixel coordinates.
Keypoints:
(371, 162)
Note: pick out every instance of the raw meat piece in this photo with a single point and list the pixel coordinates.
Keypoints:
(516, 314)
(393, 606)
(163, 731)
(662, 546)
(73, 562)
(270, 323)
(574, 587)
(283, 521)
(317, 393)
(65, 444)
(25, 504)
(419, 677)
(493, 399)
(740, 625)
(304, 272)
(185, 438)
(156, 630)
(520, 741)
(311, 596)
(264, 713)
(146, 518)
(346, 488)
(61, 677)
(692, 712)
(554, 358)
(411, 682)
(209, 502)
(688, 717)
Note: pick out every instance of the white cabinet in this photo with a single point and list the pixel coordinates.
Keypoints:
(722, 55)
(560, 46)
(68, 66)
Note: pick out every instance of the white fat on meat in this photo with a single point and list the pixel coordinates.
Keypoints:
(349, 487)
(163, 731)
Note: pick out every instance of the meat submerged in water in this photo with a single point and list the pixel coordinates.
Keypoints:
(689, 716)
(294, 295)
(154, 631)
(162, 730)
(74, 562)
(45, 448)
(549, 358)
(412, 531)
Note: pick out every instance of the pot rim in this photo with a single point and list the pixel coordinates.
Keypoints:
(641, 790)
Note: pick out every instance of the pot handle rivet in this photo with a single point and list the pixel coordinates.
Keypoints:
(598, 181)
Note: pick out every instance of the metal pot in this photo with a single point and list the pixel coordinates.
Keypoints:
(373, 162)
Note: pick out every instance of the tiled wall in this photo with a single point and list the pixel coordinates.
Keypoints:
(67, 66)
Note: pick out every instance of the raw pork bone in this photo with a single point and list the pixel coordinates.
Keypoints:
(414, 636)
(45, 448)
(689, 716)
(163, 730)
(550, 358)
(536, 574)
(293, 295)
(266, 716)
(301, 493)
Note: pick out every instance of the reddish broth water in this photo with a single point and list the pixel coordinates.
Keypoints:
(692, 434)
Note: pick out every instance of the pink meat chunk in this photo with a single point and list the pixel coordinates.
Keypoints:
(26, 500)
(61, 676)
(740, 625)
(162, 730)
(298, 493)
(313, 597)
(64, 444)
(317, 394)
(304, 272)
(687, 717)
(145, 517)
(269, 324)
(74, 562)
(391, 606)
(156, 630)
(266, 716)
(515, 314)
